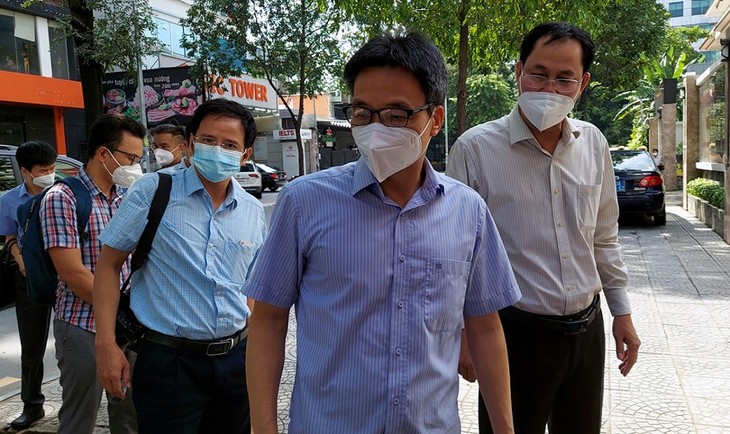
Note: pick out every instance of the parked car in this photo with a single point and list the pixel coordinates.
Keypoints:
(10, 171)
(250, 179)
(271, 177)
(639, 184)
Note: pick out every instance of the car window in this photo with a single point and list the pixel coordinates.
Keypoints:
(65, 169)
(266, 168)
(7, 174)
(627, 160)
(248, 167)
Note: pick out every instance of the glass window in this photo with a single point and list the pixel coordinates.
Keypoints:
(163, 34)
(712, 119)
(676, 9)
(699, 7)
(18, 48)
(176, 34)
(59, 51)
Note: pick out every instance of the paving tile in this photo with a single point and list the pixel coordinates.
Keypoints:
(643, 425)
(706, 429)
(658, 411)
(711, 411)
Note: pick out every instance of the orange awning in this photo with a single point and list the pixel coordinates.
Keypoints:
(45, 91)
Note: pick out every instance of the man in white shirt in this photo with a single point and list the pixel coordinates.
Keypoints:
(548, 181)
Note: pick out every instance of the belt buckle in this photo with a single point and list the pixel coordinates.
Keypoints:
(576, 327)
(219, 348)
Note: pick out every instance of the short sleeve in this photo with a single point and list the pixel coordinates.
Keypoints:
(58, 218)
(278, 268)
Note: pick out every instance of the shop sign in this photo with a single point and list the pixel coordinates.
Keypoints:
(169, 93)
(291, 134)
(246, 90)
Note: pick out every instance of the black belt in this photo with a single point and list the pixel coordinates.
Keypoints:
(568, 325)
(216, 347)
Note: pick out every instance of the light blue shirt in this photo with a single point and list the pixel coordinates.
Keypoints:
(380, 295)
(191, 285)
(172, 169)
(9, 203)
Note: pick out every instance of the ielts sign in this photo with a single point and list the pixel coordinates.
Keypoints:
(291, 134)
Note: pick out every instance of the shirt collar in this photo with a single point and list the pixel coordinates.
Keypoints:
(519, 131)
(94, 190)
(193, 183)
(363, 177)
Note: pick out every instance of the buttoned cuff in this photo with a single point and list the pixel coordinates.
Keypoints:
(618, 301)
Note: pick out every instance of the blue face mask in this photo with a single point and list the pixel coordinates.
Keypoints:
(215, 163)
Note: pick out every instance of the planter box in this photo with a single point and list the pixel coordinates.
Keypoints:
(712, 217)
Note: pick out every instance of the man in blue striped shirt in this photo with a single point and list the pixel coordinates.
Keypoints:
(386, 261)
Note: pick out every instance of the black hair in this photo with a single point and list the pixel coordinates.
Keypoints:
(224, 108)
(34, 153)
(559, 32)
(410, 50)
(173, 129)
(107, 131)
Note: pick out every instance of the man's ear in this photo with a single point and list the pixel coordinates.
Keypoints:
(246, 155)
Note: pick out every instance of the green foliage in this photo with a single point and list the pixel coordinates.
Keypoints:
(708, 190)
(489, 96)
(295, 45)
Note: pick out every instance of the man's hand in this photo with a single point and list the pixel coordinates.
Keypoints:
(627, 342)
(466, 367)
(112, 368)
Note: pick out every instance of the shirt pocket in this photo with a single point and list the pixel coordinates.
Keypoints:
(239, 256)
(588, 199)
(445, 293)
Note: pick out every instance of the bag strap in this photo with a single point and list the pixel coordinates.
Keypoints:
(154, 216)
(83, 203)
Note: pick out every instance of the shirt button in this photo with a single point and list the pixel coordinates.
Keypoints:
(560, 225)
(397, 351)
(565, 257)
(570, 288)
(400, 303)
(556, 191)
(402, 257)
(396, 401)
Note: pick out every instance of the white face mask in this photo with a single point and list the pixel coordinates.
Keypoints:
(164, 157)
(544, 109)
(44, 181)
(124, 176)
(388, 150)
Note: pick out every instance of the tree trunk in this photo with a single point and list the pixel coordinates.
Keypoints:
(463, 70)
(91, 73)
(302, 77)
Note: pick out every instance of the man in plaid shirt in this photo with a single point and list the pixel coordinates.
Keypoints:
(115, 150)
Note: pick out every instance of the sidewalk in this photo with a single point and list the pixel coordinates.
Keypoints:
(680, 293)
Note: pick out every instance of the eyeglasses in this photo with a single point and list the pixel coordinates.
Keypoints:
(538, 82)
(136, 159)
(230, 146)
(390, 117)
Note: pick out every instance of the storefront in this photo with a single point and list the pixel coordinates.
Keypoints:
(34, 108)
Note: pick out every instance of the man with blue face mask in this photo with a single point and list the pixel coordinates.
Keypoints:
(190, 374)
(386, 261)
(549, 183)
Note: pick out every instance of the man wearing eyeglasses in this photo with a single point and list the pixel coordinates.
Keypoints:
(115, 150)
(385, 261)
(549, 183)
(190, 374)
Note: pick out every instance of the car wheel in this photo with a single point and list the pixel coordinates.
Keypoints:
(660, 219)
(257, 195)
(273, 188)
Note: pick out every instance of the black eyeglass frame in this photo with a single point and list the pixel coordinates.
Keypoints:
(136, 159)
(409, 114)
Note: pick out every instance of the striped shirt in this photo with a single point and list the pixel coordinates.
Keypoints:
(380, 294)
(59, 224)
(191, 284)
(557, 214)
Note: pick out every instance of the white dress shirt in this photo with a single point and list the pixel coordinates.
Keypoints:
(557, 214)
